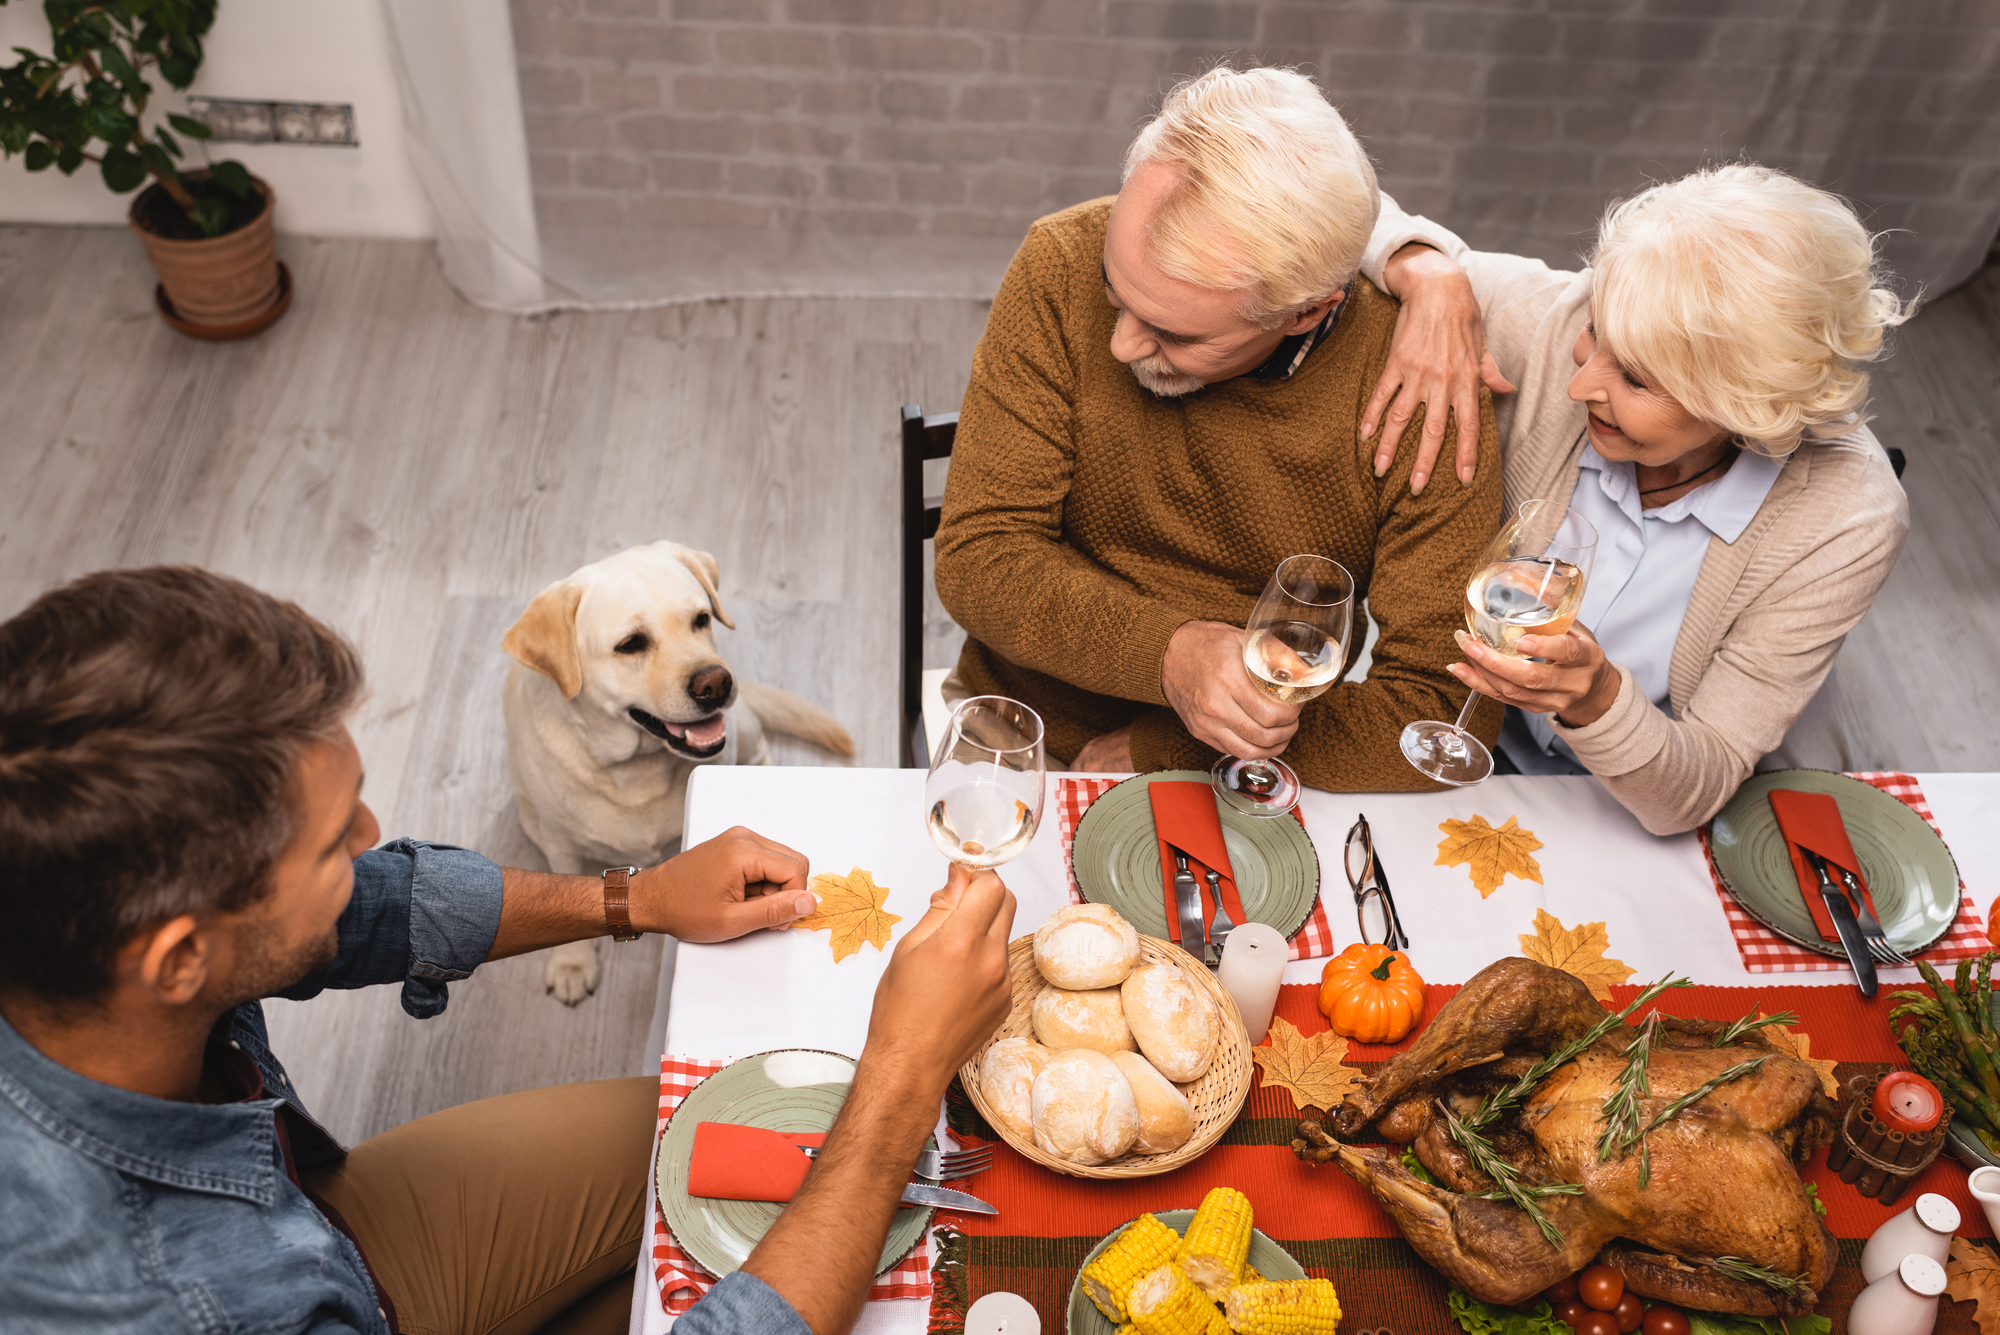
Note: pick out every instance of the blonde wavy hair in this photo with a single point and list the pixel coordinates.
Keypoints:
(1754, 299)
(1275, 195)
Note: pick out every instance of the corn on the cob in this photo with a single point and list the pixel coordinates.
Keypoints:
(1250, 1275)
(1165, 1303)
(1144, 1246)
(1286, 1307)
(1218, 1238)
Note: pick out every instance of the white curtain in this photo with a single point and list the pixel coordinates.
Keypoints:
(462, 118)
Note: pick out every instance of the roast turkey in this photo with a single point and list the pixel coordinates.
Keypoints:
(1723, 1198)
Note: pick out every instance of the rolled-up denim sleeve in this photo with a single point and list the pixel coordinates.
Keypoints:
(422, 914)
(742, 1304)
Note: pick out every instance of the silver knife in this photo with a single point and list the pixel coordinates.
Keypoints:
(1187, 903)
(946, 1199)
(1842, 914)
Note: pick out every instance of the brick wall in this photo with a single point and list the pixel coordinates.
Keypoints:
(1514, 121)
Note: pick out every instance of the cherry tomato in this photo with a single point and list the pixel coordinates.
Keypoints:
(1597, 1323)
(1562, 1291)
(1631, 1310)
(1571, 1312)
(1664, 1320)
(1601, 1287)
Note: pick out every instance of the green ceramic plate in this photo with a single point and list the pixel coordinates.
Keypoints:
(1910, 873)
(792, 1090)
(1270, 1260)
(1117, 860)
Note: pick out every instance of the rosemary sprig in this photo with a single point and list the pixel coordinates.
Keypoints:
(1497, 1105)
(1504, 1174)
(1552, 1189)
(1621, 1110)
(1696, 1095)
(1736, 1029)
(1737, 1268)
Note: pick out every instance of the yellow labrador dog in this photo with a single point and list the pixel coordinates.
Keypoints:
(615, 694)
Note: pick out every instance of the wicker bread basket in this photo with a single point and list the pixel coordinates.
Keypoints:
(1217, 1096)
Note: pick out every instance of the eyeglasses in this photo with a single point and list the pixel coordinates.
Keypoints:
(1374, 906)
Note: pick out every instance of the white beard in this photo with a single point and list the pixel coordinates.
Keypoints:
(1157, 374)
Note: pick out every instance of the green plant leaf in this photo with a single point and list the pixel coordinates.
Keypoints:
(232, 176)
(190, 127)
(167, 141)
(156, 158)
(119, 68)
(1477, 1318)
(109, 124)
(124, 170)
(68, 158)
(211, 215)
(40, 156)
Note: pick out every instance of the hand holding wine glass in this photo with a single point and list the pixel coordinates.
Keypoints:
(983, 799)
(1294, 650)
(1530, 581)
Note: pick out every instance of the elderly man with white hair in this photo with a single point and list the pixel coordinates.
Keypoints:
(1164, 407)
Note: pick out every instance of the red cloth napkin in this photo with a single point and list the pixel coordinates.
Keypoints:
(747, 1163)
(1812, 821)
(1185, 816)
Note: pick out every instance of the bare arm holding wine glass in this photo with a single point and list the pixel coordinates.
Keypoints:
(1574, 681)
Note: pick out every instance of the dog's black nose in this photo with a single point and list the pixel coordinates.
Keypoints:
(711, 686)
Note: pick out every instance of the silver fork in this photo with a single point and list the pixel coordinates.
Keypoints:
(1219, 930)
(1871, 926)
(948, 1166)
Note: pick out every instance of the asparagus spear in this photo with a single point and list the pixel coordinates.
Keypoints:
(1976, 1058)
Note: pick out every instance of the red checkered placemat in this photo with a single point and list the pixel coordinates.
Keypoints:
(1764, 951)
(1073, 798)
(682, 1281)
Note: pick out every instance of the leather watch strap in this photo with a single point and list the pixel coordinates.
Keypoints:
(618, 902)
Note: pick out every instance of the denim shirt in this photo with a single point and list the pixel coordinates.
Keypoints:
(121, 1212)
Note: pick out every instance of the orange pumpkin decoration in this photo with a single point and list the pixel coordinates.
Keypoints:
(1370, 993)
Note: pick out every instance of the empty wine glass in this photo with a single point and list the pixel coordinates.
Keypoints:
(1529, 582)
(983, 799)
(1294, 651)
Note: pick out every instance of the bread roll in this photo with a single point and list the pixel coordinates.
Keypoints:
(1166, 1118)
(1007, 1080)
(1083, 1108)
(1085, 946)
(1174, 1024)
(1094, 1020)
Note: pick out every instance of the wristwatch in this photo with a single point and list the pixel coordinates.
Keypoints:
(618, 902)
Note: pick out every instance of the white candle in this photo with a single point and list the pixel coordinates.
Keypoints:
(1003, 1314)
(1253, 964)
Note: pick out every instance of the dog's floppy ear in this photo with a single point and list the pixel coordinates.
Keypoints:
(545, 637)
(704, 568)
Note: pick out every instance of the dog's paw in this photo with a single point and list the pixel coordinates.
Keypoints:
(570, 974)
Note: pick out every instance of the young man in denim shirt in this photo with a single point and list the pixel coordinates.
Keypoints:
(181, 834)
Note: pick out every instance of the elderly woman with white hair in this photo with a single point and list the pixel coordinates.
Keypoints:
(1698, 394)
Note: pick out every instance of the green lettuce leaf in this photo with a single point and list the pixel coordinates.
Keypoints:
(1478, 1318)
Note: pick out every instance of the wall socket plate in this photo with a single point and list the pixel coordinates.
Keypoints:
(247, 121)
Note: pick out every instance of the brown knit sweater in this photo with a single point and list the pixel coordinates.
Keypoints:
(1085, 520)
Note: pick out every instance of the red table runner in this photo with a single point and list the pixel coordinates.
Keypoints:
(1329, 1222)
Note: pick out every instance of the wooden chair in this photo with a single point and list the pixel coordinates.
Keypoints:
(922, 697)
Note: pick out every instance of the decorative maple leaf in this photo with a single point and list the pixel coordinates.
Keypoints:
(1308, 1067)
(1798, 1043)
(1972, 1274)
(1576, 950)
(850, 907)
(1489, 854)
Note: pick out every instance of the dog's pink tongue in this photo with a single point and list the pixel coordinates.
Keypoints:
(708, 732)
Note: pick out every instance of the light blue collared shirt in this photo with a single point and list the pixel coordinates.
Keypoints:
(1647, 562)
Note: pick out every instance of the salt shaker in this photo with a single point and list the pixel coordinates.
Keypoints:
(1003, 1314)
(1902, 1302)
(1924, 1229)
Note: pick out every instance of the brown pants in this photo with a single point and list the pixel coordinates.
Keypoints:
(507, 1216)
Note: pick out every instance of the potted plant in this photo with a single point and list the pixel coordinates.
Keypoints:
(207, 229)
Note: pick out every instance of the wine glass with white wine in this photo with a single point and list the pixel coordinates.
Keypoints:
(1294, 650)
(1529, 582)
(983, 799)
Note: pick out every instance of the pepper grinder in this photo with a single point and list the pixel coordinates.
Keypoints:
(1902, 1302)
(1924, 1229)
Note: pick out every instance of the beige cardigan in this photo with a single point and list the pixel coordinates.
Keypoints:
(1768, 612)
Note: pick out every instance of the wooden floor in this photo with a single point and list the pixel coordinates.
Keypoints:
(413, 470)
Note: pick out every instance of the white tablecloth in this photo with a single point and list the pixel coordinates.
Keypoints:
(782, 989)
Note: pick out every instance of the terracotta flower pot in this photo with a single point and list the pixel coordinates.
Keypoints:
(220, 281)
